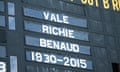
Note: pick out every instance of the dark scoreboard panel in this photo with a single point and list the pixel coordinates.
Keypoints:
(59, 35)
(3, 41)
(2, 66)
(56, 30)
(59, 59)
(55, 17)
(58, 25)
(60, 45)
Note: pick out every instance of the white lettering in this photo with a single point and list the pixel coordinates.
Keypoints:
(55, 31)
(58, 31)
(56, 45)
(83, 63)
(45, 29)
(59, 45)
(62, 32)
(75, 47)
(46, 15)
(49, 44)
(65, 19)
(43, 42)
(63, 46)
(58, 19)
(70, 32)
(73, 62)
(55, 17)
(2, 67)
(69, 48)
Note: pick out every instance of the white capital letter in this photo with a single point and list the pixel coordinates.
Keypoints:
(46, 15)
(43, 42)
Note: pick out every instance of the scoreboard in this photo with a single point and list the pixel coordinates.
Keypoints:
(105, 4)
(59, 35)
(2, 67)
(59, 59)
(58, 28)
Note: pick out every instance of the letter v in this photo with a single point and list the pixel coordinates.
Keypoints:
(46, 15)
